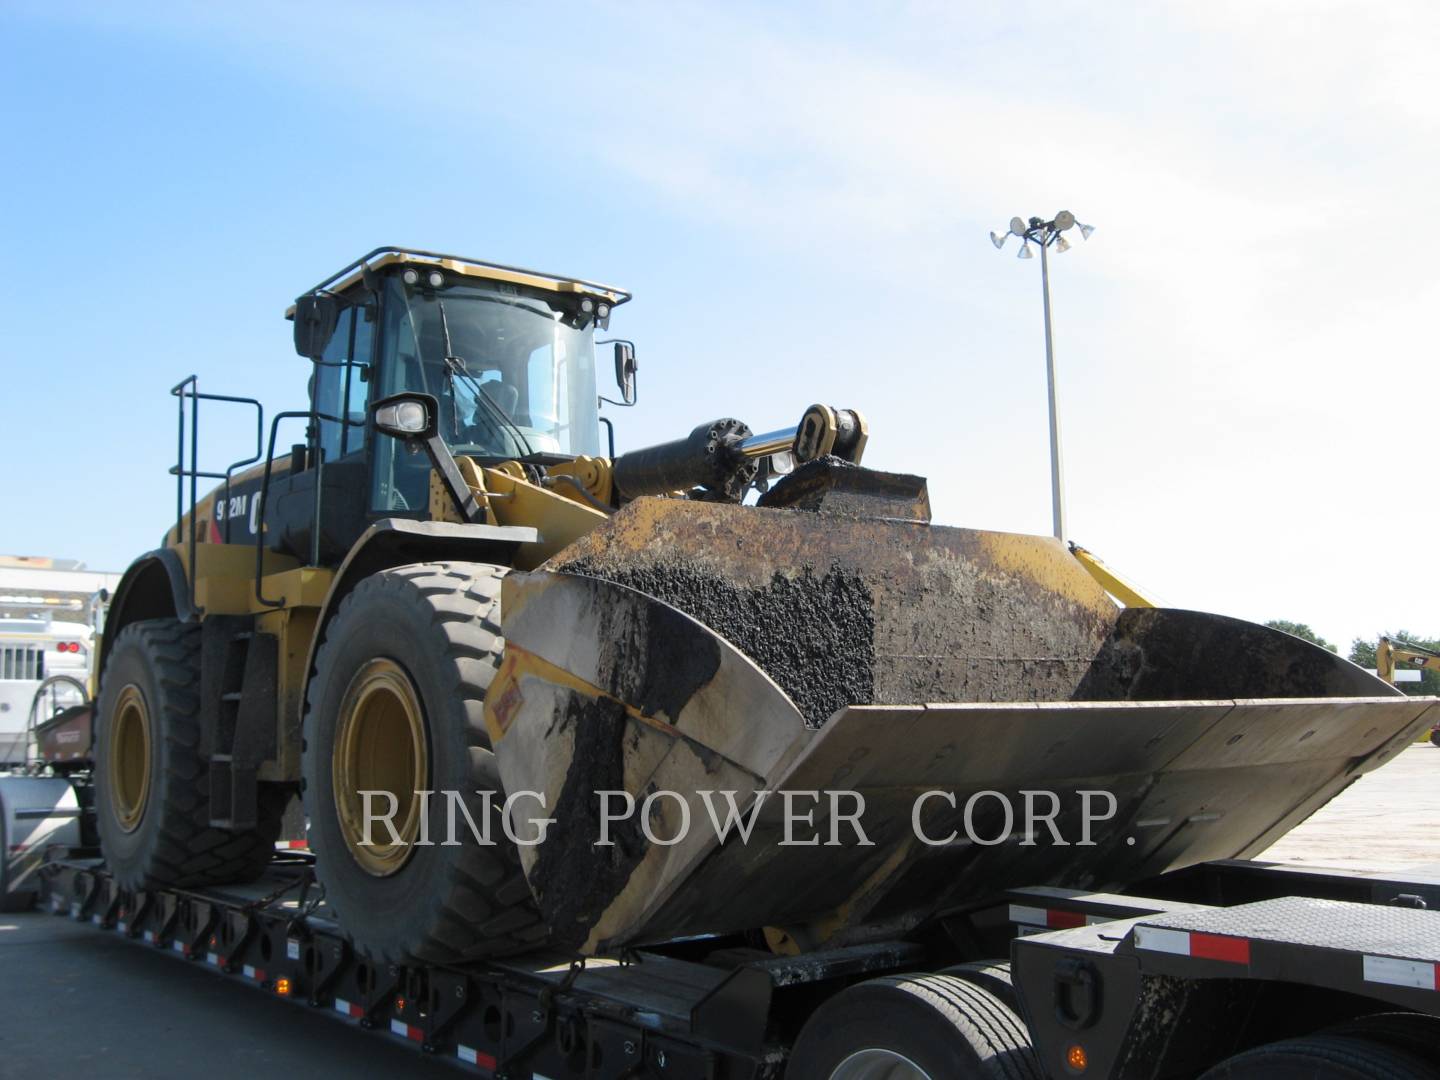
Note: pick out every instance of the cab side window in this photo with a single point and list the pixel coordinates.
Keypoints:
(341, 386)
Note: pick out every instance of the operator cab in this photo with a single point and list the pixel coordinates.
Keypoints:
(507, 354)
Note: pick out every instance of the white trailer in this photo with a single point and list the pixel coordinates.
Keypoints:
(32, 650)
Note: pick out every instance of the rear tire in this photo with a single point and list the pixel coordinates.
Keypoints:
(397, 699)
(152, 787)
(914, 1027)
(1416, 1034)
(1322, 1057)
(991, 975)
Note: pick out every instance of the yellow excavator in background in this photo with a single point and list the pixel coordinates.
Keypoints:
(1388, 653)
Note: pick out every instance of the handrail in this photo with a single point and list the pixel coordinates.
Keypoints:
(189, 387)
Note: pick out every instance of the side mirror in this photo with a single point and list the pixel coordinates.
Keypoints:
(406, 416)
(625, 370)
(316, 316)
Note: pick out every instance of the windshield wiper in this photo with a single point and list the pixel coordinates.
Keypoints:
(455, 366)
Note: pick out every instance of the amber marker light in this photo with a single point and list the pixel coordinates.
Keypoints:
(282, 987)
(1076, 1058)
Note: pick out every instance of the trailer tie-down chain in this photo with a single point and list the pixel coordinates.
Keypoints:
(303, 908)
(547, 994)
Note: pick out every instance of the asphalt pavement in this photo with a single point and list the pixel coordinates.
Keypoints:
(76, 1001)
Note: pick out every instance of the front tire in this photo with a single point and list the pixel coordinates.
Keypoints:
(152, 787)
(395, 706)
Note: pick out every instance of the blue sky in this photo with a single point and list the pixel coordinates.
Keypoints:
(799, 199)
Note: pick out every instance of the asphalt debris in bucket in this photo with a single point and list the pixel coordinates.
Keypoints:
(814, 634)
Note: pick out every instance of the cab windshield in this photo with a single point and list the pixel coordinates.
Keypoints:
(512, 380)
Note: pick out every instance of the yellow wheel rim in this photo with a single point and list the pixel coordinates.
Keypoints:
(129, 771)
(380, 747)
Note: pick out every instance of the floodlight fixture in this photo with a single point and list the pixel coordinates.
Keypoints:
(1047, 234)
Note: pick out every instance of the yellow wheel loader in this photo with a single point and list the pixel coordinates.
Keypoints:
(454, 621)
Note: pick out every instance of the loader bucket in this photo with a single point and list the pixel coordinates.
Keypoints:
(689, 648)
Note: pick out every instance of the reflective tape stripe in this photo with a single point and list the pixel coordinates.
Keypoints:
(1029, 916)
(1222, 947)
(1158, 940)
(345, 1008)
(1421, 974)
(399, 1027)
(1052, 918)
(254, 973)
(1232, 950)
(479, 1058)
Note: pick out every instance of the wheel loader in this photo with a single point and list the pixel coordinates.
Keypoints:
(453, 588)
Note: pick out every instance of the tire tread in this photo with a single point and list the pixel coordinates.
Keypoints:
(187, 851)
(463, 600)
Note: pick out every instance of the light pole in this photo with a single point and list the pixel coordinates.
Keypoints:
(1047, 234)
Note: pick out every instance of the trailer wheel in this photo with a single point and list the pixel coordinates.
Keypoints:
(1417, 1034)
(1323, 1057)
(914, 1027)
(152, 787)
(396, 706)
(1435, 736)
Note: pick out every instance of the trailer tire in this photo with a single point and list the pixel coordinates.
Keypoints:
(152, 786)
(1417, 1034)
(1322, 1057)
(991, 975)
(404, 666)
(940, 1026)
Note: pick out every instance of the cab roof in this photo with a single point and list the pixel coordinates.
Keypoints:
(382, 257)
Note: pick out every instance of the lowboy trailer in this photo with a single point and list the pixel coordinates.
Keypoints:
(1227, 969)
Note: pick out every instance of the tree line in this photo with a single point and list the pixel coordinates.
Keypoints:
(1362, 652)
